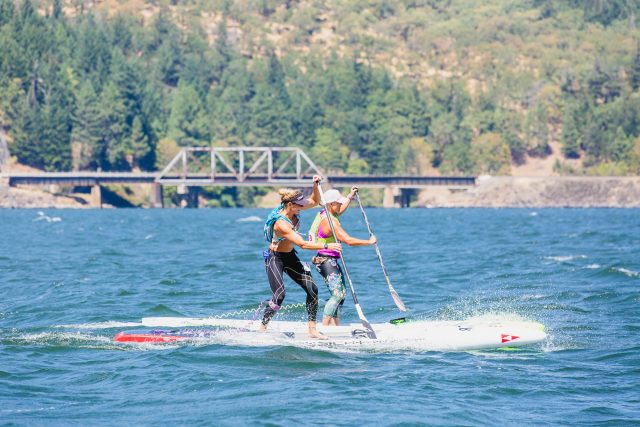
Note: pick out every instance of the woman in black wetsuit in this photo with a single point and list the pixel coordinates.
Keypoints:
(281, 233)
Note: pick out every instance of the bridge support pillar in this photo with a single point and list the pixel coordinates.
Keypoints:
(157, 196)
(405, 197)
(96, 196)
(188, 196)
(390, 199)
(396, 197)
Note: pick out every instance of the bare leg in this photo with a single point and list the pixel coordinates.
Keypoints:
(330, 321)
(314, 333)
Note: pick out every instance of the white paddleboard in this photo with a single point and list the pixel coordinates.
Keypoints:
(438, 335)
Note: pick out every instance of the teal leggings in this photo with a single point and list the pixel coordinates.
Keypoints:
(330, 270)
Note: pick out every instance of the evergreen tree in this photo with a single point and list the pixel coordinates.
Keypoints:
(328, 152)
(223, 54)
(86, 134)
(570, 134)
(7, 11)
(508, 125)
(113, 123)
(230, 105)
(93, 52)
(271, 121)
(169, 61)
(621, 146)
(139, 143)
(55, 132)
(187, 121)
(537, 131)
(634, 73)
(27, 133)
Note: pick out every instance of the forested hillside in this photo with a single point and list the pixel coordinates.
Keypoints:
(375, 86)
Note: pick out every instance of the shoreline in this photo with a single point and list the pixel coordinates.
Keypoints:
(490, 192)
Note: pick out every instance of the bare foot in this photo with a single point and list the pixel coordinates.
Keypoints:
(262, 328)
(314, 333)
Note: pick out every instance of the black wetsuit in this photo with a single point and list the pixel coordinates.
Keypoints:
(277, 263)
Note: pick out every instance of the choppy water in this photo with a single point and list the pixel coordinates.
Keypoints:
(71, 279)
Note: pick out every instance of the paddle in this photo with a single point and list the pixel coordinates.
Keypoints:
(370, 332)
(394, 294)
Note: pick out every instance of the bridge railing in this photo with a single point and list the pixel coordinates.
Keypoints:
(202, 165)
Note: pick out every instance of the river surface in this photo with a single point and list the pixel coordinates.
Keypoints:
(72, 279)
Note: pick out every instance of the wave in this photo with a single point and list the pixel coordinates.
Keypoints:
(252, 218)
(109, 324)
(565, 258)
(625, 271)
(42, 217)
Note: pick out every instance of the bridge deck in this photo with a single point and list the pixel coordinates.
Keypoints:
(230, 180)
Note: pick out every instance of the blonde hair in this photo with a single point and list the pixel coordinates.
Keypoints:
(289, 194)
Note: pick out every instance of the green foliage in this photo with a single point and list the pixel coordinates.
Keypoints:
(88, 92)
(187, 123)
(328, 152)
(491, 155)
(571, 138)
(86, 133)
(537, 131)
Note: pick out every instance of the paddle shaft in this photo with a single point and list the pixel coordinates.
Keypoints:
(394, 294)
(371, 333)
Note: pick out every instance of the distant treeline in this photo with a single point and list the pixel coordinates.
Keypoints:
(87, 92)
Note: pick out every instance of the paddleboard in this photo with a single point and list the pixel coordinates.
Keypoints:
(473, 334)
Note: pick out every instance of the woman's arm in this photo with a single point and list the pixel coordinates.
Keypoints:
(314, 199)
(351, 196)
(284, 230)
(343, 236)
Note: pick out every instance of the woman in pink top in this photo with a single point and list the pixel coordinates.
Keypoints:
(326, 261)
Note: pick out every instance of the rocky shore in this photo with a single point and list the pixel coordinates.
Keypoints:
(539, 192)
(490, 192)
(17, 198)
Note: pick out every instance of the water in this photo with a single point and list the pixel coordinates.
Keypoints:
(72, 279)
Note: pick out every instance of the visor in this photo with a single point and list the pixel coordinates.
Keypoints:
(301, 200)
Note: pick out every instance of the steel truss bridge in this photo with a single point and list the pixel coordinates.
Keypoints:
(194, 167)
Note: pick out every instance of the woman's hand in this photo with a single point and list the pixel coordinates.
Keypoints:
(372, 240)
(335, 247)
(317, 179)
(352, 194)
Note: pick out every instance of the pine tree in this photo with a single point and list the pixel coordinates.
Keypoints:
(86, 134)
(634, 74)
(537, 131)
(230, 105)
(55, 132)
(7, 11)
(223, 53)
(328, 152)
(113, 123)
(169, 61)
(139, 143)
(570, 134)
(187, 121)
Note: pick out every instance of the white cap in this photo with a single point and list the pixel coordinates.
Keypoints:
(334, 195)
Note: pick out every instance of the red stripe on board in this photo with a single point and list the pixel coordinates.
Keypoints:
(124, 337)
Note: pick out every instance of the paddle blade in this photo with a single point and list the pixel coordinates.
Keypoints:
(397, 300)
(370, 332)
